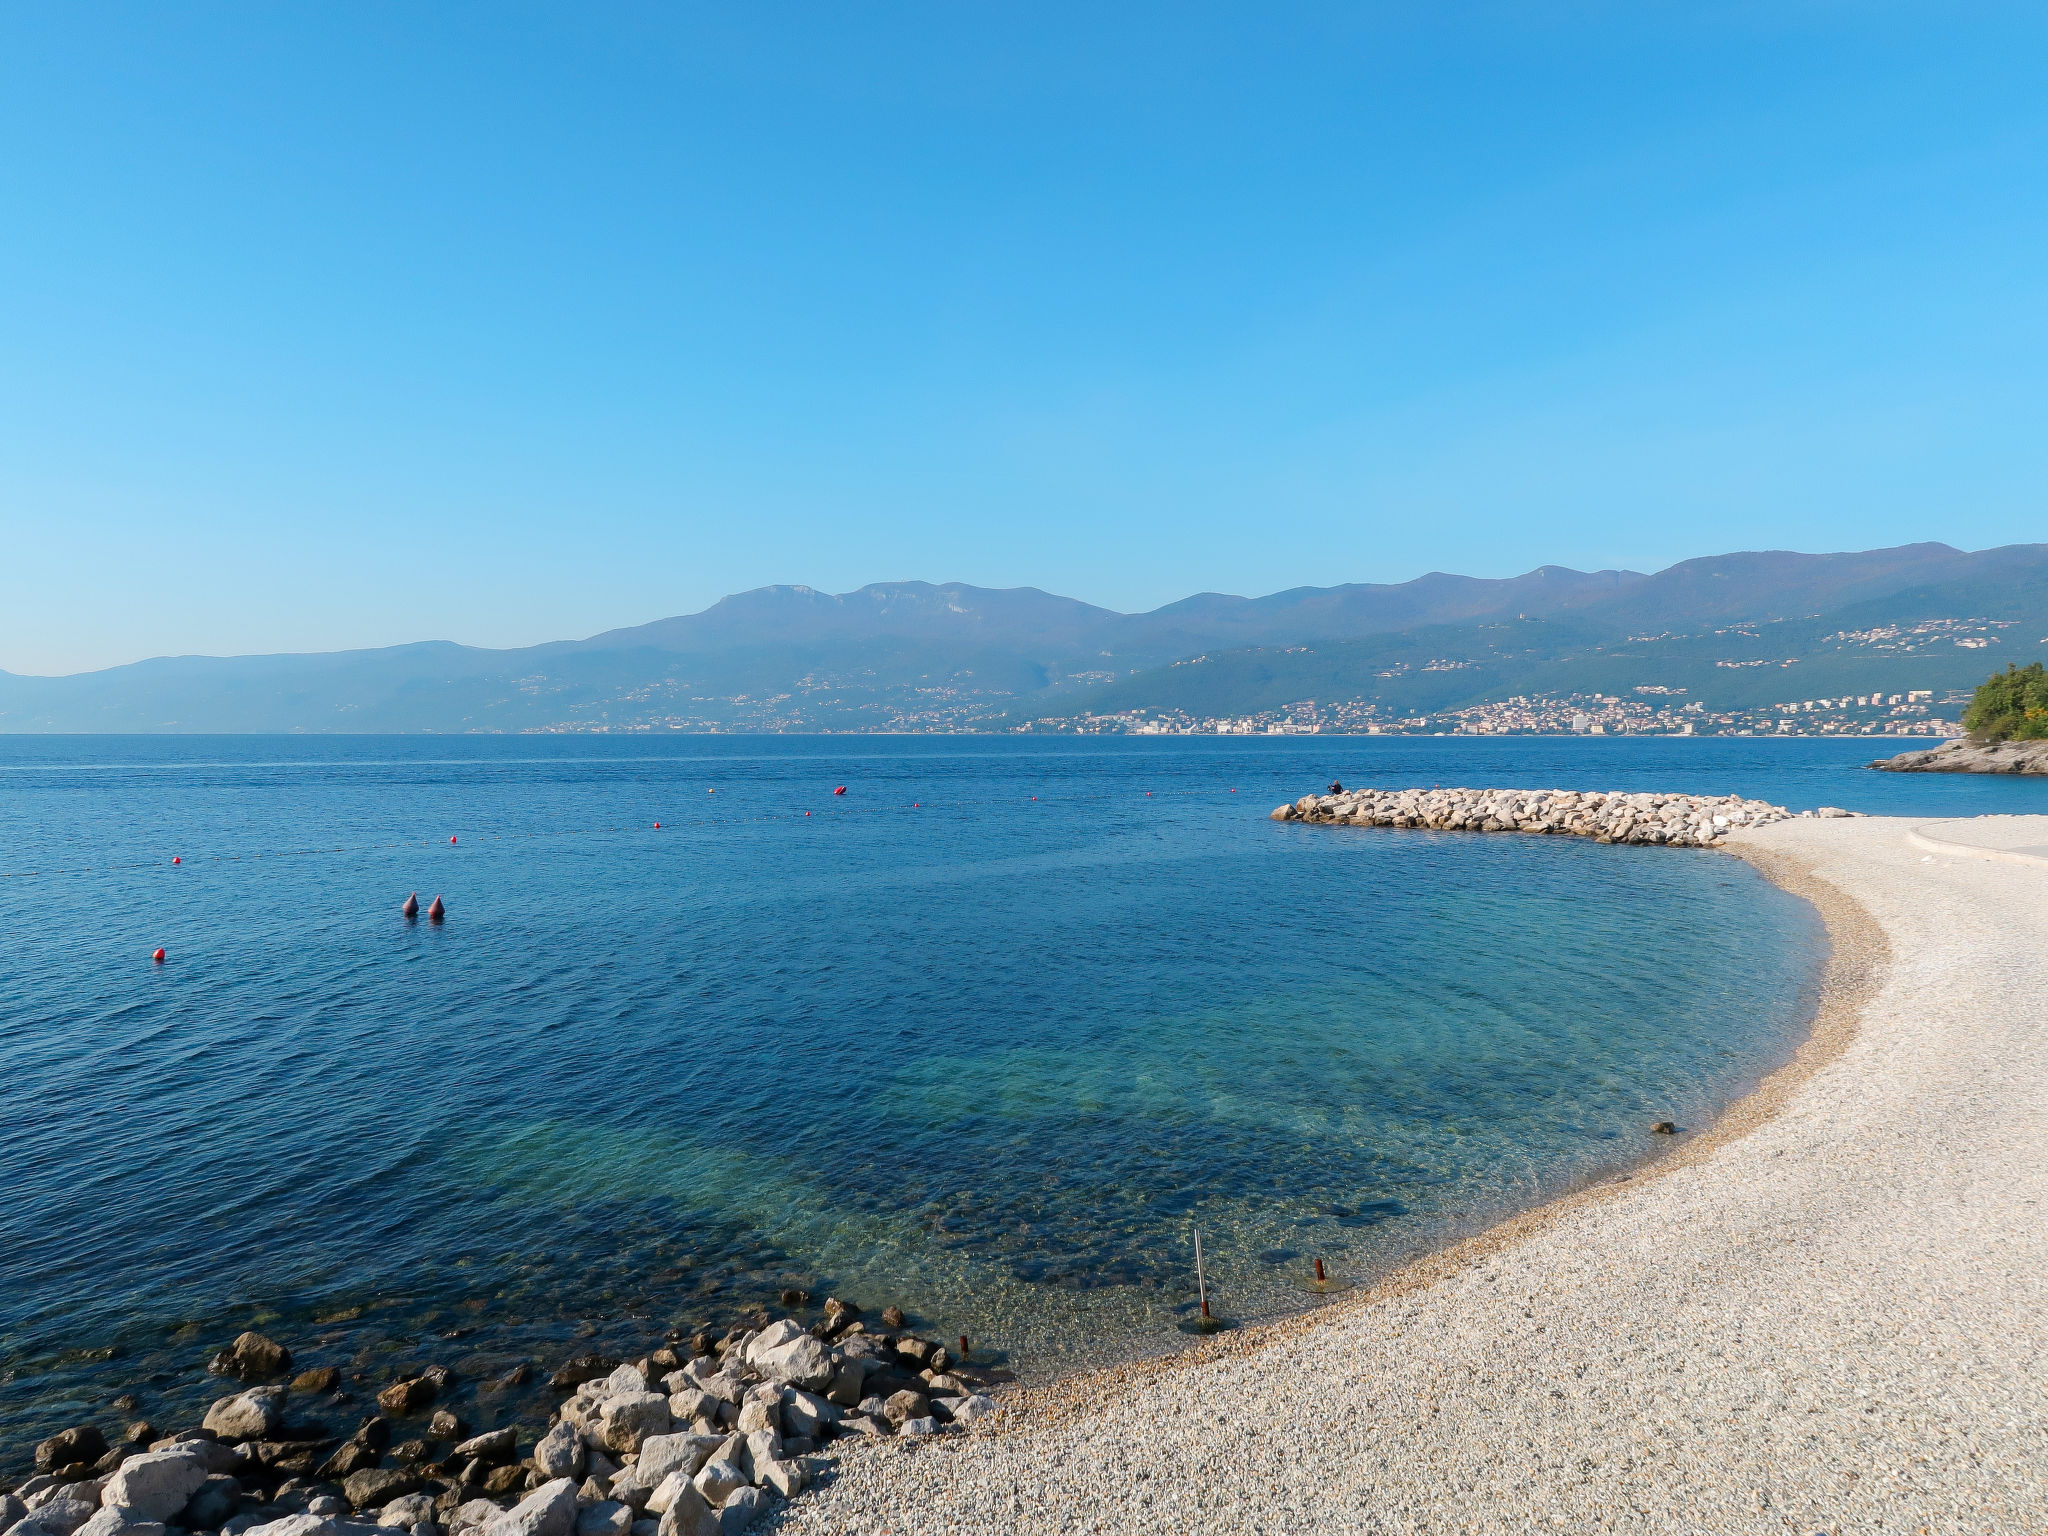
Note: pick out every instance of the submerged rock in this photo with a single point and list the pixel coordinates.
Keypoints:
(82, 1442)
(252, 1357)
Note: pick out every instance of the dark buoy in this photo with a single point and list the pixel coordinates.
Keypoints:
(158, 957)
(435, 911)
(840, 790)
(412, 905)
(176, 860)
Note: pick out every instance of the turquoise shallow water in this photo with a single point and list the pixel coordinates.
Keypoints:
(988, 1036)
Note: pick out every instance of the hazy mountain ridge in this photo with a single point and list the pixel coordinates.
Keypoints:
(917, 655)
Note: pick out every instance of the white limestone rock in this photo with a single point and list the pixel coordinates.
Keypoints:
(784, 1352)
(550, 1510)
(560, 1452)
(156, 1484)
(626, 1418)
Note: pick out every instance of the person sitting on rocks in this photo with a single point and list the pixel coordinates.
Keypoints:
(1336, 788)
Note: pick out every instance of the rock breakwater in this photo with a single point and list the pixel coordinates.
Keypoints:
(700, 1436)
(1679, 821)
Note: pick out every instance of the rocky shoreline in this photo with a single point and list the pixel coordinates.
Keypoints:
(702, 1435)
(1966, 756)
(1679, 821)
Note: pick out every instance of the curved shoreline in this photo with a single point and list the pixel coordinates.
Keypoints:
(1857, 956)
(1683, 1289)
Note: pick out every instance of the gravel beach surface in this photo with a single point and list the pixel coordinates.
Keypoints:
(1825, 1314)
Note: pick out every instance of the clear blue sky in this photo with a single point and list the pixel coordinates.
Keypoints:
(326, 325)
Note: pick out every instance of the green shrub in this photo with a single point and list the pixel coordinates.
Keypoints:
(2010, 706)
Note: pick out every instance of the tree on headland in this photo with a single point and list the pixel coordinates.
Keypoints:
(2010, 706)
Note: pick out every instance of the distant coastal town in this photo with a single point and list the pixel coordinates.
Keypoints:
(1652, 711)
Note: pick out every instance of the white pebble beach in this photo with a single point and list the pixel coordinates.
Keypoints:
(1827, 1313)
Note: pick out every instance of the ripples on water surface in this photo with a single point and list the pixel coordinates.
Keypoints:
(991, 1057)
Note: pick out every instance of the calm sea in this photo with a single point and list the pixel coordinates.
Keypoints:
(987, 1036)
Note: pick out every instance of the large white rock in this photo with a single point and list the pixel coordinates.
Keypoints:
(550, 1510)
(156, 1484)
(975, 1406)
(806, 1414)
(691, 1404)
(662, 1454)
(250, 1415)
(210, 1453)
(626, 1418)
(688, 1515)
(785, 1352)
(295, 1525)
(58, 1517)
(473, 1512)
(560, 1452)
(403, 1514)
(742, 1510)
(113, 1521)
(720, 1478)
(607, 1517)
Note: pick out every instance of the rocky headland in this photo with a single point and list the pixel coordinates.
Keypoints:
(702, 1435)
(1963, 755)
(1682, 821)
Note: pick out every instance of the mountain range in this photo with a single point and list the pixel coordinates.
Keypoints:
(1735, 630)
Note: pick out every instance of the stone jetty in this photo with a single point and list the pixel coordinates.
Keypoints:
(698, 1438)
(1678, 821)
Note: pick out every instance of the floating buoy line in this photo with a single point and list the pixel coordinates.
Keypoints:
(840, 808)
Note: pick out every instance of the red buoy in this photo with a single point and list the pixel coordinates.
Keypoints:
(158, 957)
(840, 790)
(435, 911)
(657, 826)
(807, 813)
(176, 860)
(451, 839)
(412, 905)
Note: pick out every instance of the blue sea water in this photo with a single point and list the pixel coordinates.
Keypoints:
(988, 1036)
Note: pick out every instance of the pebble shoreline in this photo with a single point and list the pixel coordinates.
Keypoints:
(1824, 1314)
(1679, 821)
(698, 1438)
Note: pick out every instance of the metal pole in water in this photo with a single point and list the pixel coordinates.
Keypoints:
(1201, 1280)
